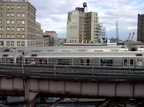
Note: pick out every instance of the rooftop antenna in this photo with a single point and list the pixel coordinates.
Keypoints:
(70, 5)
(117, 35)
(34, 2)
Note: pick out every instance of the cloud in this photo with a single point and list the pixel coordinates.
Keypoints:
(52, 14)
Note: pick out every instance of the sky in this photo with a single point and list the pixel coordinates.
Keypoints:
(52, 15)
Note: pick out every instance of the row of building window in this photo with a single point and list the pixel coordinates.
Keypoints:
(18, 22)
(12, 29)
(31, 23)
(12, 7)
(12, 36)
(73, 23)
(73, 27)
(19, 43)
(75, 13)
(32, 30)
(18, 36)
(12, 14)
(12, 43)
(72, 41)
(73, 34)
(72, 37)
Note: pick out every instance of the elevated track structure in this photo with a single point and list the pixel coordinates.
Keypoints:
(31, 84)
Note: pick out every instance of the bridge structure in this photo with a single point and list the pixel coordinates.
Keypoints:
(120, 86)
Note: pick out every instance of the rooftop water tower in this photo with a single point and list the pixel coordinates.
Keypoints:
(85, 6)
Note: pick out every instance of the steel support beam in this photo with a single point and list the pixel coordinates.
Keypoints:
(104, 103)
(56, 102)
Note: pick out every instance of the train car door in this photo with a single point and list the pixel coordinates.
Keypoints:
(85, 62)
(131, 62)
(128, 62)
(125, 62)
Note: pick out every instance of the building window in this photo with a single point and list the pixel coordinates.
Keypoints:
(18, 36)
(12, 36)
(95, 14)
(8, 29)
(12, 14)
(7, 14)
(18, 22)
(8, 43)
(1, 29)
(1, 14)
(12, 43)
(23, 43)
(8, 36)
(12, 21)
(12, 29)
(18, 14)
(1, 21)
(18, 29)
(23, 36)
(12, 7)
(1, 36)
(23, 14)
(23, 7)
(22, 29)
(1, 7)
(18, 43)
(8, 7)
(18, 7)
(8, 21)
(1, 43)
(23, 22)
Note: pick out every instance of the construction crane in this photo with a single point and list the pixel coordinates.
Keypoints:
(128, 37)
(132, 37)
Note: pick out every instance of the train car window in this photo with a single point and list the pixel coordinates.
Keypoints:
(20, 60)
(11, 60)
(131, 62)
(34, 55)
(45, 61)
(5, 55)
(88, 61)
(4, 60)
(26, 61)
(134, 49)
(106, 62)
(32, 61)
(139, 55)
(82, 61)
(40, 61)
(125, 62)
(139, 59)
(63, 61)
(6, 50)
(17, 60)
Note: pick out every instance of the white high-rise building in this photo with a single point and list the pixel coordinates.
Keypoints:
(83, 27)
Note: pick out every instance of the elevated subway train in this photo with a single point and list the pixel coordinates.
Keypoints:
(74, 49)
(130, 60)
(68, 49)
